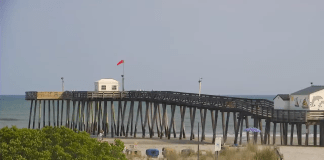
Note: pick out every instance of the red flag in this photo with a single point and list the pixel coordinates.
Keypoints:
(120, 62)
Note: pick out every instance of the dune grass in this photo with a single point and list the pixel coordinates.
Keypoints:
(249, 152)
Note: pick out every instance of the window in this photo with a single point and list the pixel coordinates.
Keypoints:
(103, 87)
(114, 88)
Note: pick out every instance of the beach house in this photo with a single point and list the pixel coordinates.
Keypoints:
(310, 98)
(106, 84)
(281, 101)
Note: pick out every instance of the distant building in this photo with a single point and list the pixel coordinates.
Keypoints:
(281, 101)
(106, 84)
(310, 98)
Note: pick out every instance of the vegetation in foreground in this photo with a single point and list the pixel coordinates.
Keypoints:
(55, 143)
(250, 152)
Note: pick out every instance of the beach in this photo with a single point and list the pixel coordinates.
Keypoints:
(289, 152)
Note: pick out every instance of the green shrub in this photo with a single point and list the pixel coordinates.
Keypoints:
(55, 143)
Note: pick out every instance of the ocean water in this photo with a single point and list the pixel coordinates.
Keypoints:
(15, 110)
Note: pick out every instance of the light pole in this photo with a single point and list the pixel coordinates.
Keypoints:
(200, 86)
(62, 84)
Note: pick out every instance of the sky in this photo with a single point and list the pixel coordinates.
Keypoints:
(238, 47)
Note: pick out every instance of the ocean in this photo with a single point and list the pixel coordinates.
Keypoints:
(14, 110)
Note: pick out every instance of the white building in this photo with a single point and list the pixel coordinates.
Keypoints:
(106, 84)
(281, 101)
(310, 98)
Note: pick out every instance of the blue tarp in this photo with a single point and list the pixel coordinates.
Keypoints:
(154, 153)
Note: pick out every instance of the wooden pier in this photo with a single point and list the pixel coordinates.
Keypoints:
(94, 111)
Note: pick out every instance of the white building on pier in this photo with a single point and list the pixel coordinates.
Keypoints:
(106, 84)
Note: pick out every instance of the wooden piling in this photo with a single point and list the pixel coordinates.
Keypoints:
(44, 105)
(62, 112)
(315, 135)
(261, 129)
(256, 120)
(146, 118)
(292, 134)
(49, 113)
(183, 112)
(34, 113)
(119, 115)
(39, 114)
(30, 113)
(193, 115)
(247, 126)
(203, 124)
(58, 112)
(136, 120)
(226, 129)
(274, 133)
(54, 124)
(123, 117)
(242, 119)
(307, 132)
(172, 119)
(112, 122)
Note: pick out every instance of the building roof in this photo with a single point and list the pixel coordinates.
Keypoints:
(284, 97)
(107, 80)
(308, 90)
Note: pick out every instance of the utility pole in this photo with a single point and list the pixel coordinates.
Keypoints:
(62, 84)
(200, 86)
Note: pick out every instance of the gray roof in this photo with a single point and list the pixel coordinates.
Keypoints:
(284, 97)
(308, 90)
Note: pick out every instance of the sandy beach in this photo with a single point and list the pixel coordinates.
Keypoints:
(289, 152)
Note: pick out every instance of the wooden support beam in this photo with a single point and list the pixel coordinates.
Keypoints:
(88, 117)
(94, 118)
(236, 126)
(30, 113)
(281, 133)
(34, 113)
(286, 133)
(54, 124)
(112, 116)
(62, 112)
(147, 119)
(256, 121)
(203, 113)
(172, 120)
(261, 129)
(153, 120)
(160, 120)
(274, 133)
(49, 112)
(73, 114)
(104, 119)
(58, 113)
(213, 124)
(183, 112)
(164, 120)
(307, 132)
(223, 126)
(141, 115)
(292, 134)
(226, 129)
(247, 126)
(39, 113)
(241, 132)
(132, 117)
(123, 117)
(119, 115)
(193, 112)
(138, 112)
(315, 135)
(299, 134)
(44, 105)
(81, 127)
(129, 118)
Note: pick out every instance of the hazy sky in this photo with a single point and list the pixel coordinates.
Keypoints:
(238, 47)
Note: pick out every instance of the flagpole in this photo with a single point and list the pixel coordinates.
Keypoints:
(123, 76)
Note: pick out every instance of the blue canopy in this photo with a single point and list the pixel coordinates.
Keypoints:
(154, 153)
(252, 130)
